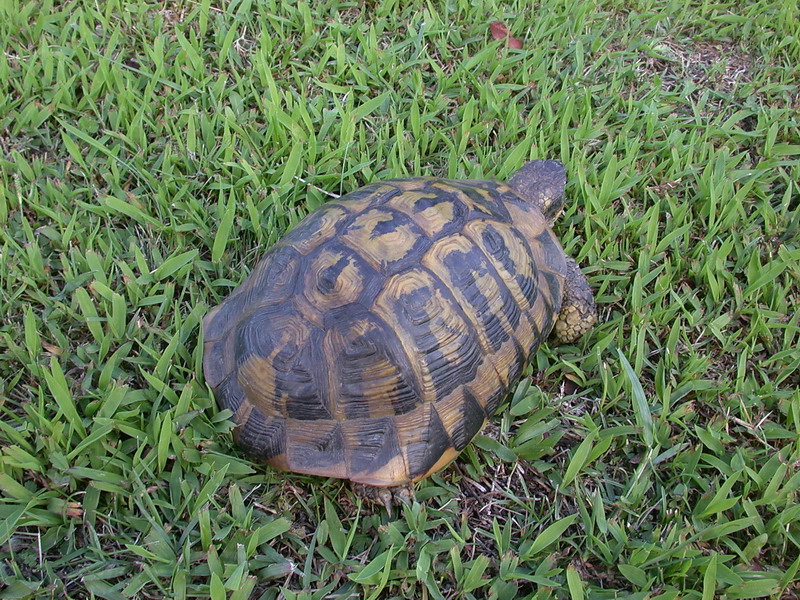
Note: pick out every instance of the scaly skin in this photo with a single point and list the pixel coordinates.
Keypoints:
(578, 310)
(541, 182)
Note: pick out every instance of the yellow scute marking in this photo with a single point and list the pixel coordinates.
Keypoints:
(528, 220)
(450, 412)
(435, 261)
(514, 252)
(436, 218)
(427, 325)
(279, 462)
(432, 219)
(487, 380)
(386, 306)
(489, 197)
(380, 379)
(326, 293)
(257, 374)
(379, 248)
(257, 379)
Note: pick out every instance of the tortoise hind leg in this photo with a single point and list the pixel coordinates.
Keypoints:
(578, 310)
(385, 495)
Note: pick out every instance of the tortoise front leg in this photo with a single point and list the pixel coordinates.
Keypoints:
(578, 310)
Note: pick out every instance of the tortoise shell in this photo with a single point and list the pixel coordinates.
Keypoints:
(374, 340)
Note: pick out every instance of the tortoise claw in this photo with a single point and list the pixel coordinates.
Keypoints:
(385, 496)
(404, 493)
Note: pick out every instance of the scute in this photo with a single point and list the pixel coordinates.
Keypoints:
(467, 272)
(423, 439)
(231, 393)
(279, 355)
(316, 228)
(375, 455)
(442, 345)
(370, 372)
(387, 239)
(367, 197)
(481, 200)
(462, 417)
(272, 282)
(262, 437)
(511, 257)
(435, 211)
(336, 276)
(317, 449)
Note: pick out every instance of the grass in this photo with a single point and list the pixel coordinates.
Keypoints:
(152, 151)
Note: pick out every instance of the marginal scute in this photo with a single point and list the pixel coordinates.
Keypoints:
(273, 279)
(232, 393)
(316, 448)
(493, 400)
(548, 252)
(317, 227)
(375, 456)
(271, 282)
(423, 439)
(219, 358)
(462, 417)
(262, 437)
(448, 456)
(369, 196)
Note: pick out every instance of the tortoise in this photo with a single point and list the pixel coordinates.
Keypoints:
(373, 341)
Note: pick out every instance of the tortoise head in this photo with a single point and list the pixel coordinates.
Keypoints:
(541, 182)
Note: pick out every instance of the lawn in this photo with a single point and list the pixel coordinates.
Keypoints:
(152, 151)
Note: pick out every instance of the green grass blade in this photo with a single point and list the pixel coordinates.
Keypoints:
(641, 408)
